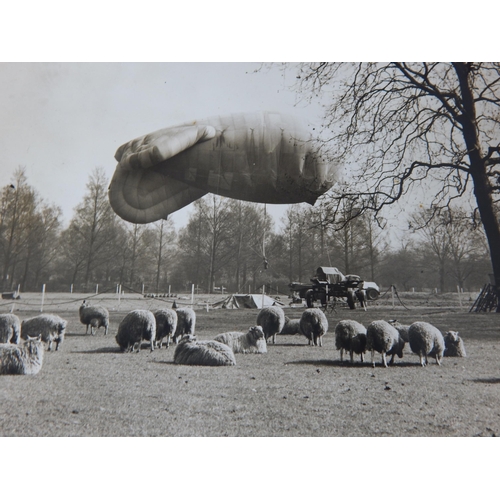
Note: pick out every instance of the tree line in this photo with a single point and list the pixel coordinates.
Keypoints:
(227, 244)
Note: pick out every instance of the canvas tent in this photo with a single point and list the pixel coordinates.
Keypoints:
(246, 301)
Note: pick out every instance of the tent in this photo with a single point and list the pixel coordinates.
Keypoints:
(246, 301)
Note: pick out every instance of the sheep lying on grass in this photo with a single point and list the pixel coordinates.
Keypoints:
(272, 320)
(166, 324)
(426, 340)
(10, 329)
(350, 336)
(252, 342)
(186, 323)
(23, 359)
(203, 352)
(95, 317)
(454, 345)
(313, 325)
(385, 339)
(291, 326)
(50, 326)
(135, 327)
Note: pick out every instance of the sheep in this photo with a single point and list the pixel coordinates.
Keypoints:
(454, 345)
(385, 339)
(252, 342)
(203, 352)
(313, 325)
(350, 336)
(426, 340)
(186, 322)
(136, 326)
(95, 316)
(272, 320)
(291, 326)
(50, 326)
(402, 329)
(166, 324)
(10, 329)
(23, 359)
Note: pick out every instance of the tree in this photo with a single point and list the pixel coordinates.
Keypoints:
(399, 125)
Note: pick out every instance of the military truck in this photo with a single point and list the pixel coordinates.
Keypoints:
(329, 284)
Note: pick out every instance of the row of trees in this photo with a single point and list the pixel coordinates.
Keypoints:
(226, 243)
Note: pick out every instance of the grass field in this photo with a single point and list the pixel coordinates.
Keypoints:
(89, 388)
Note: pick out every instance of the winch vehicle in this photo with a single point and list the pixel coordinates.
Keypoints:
(330, 284)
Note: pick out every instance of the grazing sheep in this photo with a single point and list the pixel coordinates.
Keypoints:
(291, 326)
(136, 326)
(272, 320)
(10, 329)
(426, 340)
(350, 336)
(166, 323)
(385, 339)
(402, 329)
(252, 342)
(50, 326)
(95, 316)
(23, 359)
(186, 322)
(313, 325)
(454, 345)
(203, 352)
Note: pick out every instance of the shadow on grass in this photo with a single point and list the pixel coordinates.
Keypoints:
(287, 345)
(347, 364)
(486, 380)
(100, 350)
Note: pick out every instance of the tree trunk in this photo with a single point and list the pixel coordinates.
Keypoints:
(482, 186)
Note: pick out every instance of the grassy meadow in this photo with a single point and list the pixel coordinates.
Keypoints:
(89, 388)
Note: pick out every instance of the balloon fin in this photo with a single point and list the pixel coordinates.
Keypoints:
(151, 149)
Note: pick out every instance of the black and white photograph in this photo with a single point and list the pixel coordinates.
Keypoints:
(248, 248)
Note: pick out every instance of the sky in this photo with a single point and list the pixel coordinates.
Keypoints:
(61, 120)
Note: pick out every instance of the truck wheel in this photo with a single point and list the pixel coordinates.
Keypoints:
(372, 294)
(309, 298)
(351, 300)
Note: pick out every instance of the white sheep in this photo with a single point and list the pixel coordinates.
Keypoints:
(291, 326)
(454, 345)
(94, 316)
(189, 351)
(402, 329)
(135, 327)
(166, 324)
(350, 336)
(426, 340)
(50, 326)
(385, 339)
(23, 359)
(252, 342)
(272, 320)
(186, 323)
(10, 329)
(313, 325)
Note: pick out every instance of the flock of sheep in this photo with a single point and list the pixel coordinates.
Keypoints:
(22, 348)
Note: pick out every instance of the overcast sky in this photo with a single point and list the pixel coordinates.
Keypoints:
(61, 120)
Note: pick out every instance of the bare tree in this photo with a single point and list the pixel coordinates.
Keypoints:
(399, 125)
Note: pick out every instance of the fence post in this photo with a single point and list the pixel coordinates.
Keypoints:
(192, 294)
(97, 288)
(43, 297)
(263, 294)
(71, 288)
(459, 297)
(392, 293)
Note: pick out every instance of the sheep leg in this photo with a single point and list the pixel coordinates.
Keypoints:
(105, 330)
(373, 358)
(92, 331)
(384, 359)
(422, 359)
(391, 362)
(50, 345)
(361, 357)
(152, 345)
(320, 341)
(87, 330)
(351, 352)
(274, 339)
(438, 360)
(341, 355)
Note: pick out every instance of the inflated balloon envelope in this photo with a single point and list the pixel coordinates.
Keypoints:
(261, 157)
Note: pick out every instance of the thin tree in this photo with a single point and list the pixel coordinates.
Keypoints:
(398, 125)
